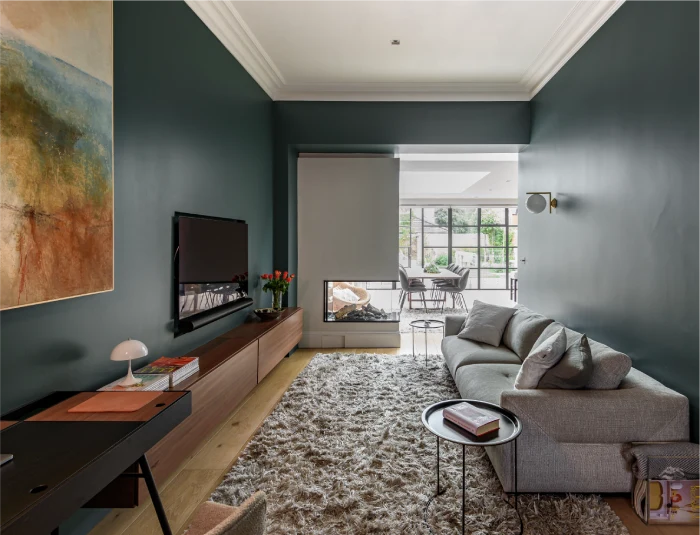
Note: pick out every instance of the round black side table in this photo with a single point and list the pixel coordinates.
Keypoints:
(426, 325)
(510, 428)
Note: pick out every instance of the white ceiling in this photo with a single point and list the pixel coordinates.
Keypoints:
(462, 179)
(450, 50)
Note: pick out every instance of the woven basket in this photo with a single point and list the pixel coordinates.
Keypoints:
(363, 295)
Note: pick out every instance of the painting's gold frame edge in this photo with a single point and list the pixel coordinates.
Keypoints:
(3, 309)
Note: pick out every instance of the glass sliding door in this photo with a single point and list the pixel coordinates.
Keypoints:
(483, 239)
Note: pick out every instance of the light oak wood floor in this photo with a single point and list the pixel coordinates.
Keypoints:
(202, 472)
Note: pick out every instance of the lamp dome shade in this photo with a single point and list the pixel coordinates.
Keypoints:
(536, 203)
(129, 349)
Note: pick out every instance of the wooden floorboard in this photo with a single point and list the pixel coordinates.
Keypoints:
(197, 478)
(622, 507)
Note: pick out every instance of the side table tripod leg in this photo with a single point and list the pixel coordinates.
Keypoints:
(438, 466)
(426, 347)
(464, 487)
(515, 472)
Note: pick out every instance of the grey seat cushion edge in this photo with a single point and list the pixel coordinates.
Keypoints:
(459, 352)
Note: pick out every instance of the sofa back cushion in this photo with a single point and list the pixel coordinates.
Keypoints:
(610, 367)
(523, 330)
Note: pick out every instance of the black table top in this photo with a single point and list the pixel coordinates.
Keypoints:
(510, 425)
(60, 465)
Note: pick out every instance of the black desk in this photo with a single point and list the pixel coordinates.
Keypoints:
(59, 465)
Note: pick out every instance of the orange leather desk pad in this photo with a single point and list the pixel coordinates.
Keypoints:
(4, 424)
(61, 412)
(115, 402)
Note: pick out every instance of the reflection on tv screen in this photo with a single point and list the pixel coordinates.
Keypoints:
(196, 298)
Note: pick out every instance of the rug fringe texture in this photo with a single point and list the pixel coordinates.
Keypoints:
(345, 452)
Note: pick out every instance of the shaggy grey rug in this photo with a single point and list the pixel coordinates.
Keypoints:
(345, 453)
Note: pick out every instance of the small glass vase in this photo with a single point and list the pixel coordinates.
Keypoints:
(277, 300)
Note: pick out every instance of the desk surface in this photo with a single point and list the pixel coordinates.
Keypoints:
(418, 273)
(59, 465)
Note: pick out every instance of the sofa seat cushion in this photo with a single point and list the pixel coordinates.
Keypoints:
(523, 330)
(486, 382)
(459, 352)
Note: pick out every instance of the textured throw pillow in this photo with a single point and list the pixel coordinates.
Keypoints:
(573, 370)
(486, 323)
(523, 330)
(541, 359)
(610, 367)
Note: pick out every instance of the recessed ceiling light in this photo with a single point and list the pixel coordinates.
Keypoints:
(396, 42)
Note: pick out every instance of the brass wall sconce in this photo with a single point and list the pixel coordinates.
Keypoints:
(536, 203)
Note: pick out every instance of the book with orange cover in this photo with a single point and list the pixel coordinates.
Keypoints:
(116, 402)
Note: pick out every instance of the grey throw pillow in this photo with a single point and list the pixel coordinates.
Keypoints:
(541, 358)
(573, 370)
(486, 323)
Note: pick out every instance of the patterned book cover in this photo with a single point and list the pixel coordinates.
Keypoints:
(170, 365)
(674, 502)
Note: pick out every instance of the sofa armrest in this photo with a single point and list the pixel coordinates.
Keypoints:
(453, 324)
(640, 410)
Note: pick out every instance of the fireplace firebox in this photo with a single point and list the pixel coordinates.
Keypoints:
(361, 301)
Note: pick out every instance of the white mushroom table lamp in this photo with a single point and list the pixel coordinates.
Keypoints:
(128, 350)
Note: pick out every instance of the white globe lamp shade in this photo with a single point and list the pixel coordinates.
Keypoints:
(536, 203)
(128, 350)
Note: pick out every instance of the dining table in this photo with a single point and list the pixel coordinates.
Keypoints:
(417, 272)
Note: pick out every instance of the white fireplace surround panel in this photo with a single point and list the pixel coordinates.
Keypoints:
(348, 214)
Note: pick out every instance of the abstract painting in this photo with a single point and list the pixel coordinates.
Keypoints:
(56, 177)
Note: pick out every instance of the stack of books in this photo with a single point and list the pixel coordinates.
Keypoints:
(472, 419)
(149, 383)
(177, 368)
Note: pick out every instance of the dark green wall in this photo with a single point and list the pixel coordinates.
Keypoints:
(373, 127)
(615, 135)
(192, 132)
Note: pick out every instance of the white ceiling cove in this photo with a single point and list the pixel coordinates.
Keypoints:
(439, 179)
(450, 50)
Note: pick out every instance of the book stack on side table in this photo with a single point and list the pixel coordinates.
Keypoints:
(472, 419)
(177, 368)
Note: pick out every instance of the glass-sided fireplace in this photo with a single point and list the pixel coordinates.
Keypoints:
(361, 301)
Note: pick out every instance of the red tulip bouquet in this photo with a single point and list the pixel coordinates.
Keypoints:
(277, 283)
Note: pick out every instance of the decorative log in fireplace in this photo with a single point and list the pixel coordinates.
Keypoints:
(364, 313)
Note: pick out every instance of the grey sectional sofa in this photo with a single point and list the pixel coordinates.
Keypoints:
(571, 439)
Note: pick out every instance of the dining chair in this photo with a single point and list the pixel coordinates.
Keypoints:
(456, 291)
(408, 287)
(212, 518)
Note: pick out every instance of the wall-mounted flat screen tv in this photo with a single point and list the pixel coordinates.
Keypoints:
(210, 271)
